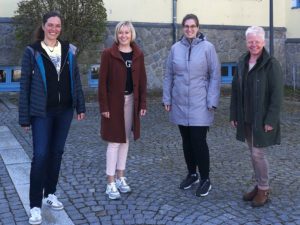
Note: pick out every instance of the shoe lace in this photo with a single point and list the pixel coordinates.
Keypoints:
(53, 198)
(35, 212)
(123, 181)
(113, 187)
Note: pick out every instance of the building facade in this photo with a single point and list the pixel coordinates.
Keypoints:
(157, 23)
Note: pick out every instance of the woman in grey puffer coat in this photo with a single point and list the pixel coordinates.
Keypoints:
(191, 91)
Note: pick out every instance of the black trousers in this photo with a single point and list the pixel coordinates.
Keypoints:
(195, 149)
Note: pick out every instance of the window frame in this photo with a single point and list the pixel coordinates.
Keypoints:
(228, 79)
(295, 4)
(93, 82)
(8, 85)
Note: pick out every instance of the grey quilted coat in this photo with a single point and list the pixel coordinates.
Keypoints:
(191, 83)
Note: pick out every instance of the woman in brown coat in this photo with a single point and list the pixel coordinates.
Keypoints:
(122, 100)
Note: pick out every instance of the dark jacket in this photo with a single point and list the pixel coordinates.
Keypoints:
(266, 100)
(112, 82)
(39, 93)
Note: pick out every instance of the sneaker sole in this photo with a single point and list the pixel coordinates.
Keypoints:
(56, 209)
(113, 198)
(125, 191)
(35, 223)
(188, 187)
(203, 195)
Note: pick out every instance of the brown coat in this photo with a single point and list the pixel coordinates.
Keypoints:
(112, 82)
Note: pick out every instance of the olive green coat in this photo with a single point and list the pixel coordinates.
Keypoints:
(267, 99)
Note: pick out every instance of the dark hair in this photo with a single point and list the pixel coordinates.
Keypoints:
(190, 16)
(39, 34)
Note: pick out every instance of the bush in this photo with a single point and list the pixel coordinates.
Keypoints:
(83, 20)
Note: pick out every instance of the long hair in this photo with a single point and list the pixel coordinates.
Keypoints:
(39, 34)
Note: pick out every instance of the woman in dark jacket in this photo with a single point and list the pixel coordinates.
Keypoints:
(256, 100)
(122, 100)
(50, 90)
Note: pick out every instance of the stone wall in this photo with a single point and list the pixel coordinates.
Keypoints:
(9, 52)
(293, 62)
(155, 41)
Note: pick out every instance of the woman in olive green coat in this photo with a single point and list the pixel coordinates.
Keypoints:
(257, 91)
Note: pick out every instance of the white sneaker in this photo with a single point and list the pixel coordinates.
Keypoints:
(35, 216)
(122, 185)
(53, 202)
(112, 191)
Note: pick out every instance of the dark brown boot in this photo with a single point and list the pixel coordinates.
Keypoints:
(261, 198)
(250, 195)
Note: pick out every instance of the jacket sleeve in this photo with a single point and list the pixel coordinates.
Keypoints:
(234, 98)
(143, 85)
(80, 106)
(103, 82)
(25, 86)
(168, 81)
(213, 93)
(275, 86)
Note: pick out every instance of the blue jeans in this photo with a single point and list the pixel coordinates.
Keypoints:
(49, 136)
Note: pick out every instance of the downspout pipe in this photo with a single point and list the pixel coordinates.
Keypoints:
(271, 29)
(174, 21)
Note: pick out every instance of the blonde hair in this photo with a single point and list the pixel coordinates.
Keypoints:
(257, 31)
(127, 24)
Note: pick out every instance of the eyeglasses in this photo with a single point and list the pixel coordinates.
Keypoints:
(189, 27)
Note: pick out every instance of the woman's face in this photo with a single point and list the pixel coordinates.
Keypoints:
(190, 29)
(124, 35)
(52, 28)
(255, 44)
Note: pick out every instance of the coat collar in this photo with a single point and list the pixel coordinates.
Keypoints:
(135, 49)
(200, 37)
(263, 58)
(65, 46)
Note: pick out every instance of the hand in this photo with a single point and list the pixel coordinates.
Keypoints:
(268, 128)
(105, 114)
(233, 123)
(168, 108)
(80, 116)
(213, 108)
(143, 112)
(27, 128)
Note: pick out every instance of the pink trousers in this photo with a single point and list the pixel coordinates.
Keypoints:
(116, 154)
(259, 161)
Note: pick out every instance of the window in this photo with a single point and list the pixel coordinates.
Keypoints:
(93, 75)
(295, 4)
(10, 78)
(228, 70)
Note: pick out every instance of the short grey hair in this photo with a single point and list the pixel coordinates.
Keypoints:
(127, 24)
(257, 31)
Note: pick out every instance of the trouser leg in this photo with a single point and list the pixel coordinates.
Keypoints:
(60, 130)
(259, 161)
(187, 149)
(200, 149)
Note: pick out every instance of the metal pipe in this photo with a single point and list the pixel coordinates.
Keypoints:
(271, 37)
(174, 21)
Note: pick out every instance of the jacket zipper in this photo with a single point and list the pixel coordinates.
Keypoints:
(190, 50)
(189, 58)
(58, 74)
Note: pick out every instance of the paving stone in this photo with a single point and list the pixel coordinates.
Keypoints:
(156, 166)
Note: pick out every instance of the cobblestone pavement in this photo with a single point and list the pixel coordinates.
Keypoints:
(155, 169)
